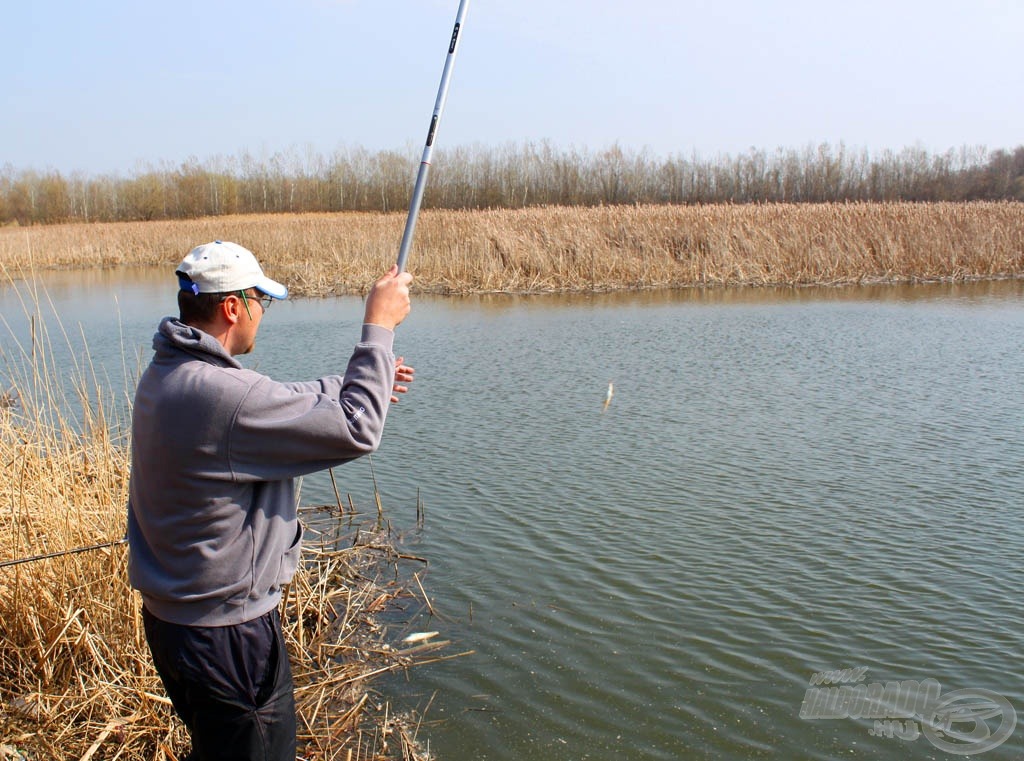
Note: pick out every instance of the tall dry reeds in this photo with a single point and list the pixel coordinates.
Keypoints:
(572, 248)
(76, 679)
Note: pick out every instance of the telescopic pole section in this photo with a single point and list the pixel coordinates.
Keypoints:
(421, 177)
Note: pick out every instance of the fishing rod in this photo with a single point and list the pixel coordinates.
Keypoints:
(421, 177)
(62, 553)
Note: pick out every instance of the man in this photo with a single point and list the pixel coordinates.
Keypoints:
(212, 525)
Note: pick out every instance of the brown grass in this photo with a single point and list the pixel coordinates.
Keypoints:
(572, 248)
(76, 679)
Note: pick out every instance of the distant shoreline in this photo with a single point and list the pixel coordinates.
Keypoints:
(551, 249)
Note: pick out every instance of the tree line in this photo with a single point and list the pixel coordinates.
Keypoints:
(511, 176)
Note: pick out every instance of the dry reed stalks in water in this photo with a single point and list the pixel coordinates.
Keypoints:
(573, 248)
(76, 680)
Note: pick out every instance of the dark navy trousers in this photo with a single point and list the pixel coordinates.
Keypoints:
(231, 685)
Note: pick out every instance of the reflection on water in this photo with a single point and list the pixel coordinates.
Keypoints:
(708, 296)
(787, 481)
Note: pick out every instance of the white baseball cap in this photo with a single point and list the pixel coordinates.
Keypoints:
(222, 266)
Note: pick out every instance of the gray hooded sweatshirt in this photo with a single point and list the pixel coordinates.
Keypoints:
(212, 526)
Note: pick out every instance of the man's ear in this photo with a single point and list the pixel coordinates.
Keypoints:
(231, 309)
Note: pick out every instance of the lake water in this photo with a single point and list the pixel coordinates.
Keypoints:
(786, 482)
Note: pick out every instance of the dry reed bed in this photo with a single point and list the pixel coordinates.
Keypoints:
(571, 248)
(76, 679)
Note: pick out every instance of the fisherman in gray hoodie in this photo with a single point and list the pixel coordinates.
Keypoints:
(212, 526)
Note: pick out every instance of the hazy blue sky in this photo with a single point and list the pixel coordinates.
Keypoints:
(112, 85)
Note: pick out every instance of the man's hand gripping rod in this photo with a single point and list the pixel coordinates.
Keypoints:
(421, 177)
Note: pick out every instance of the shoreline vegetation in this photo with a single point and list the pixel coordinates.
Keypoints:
(76, 678)
(561, 248)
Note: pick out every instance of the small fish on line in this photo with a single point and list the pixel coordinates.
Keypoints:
(608, 396)
(419, 637)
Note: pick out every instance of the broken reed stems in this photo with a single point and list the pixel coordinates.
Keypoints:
(76, 672)
(573, 248)
(76, 678)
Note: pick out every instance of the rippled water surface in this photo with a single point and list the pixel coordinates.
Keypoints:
(785, 482)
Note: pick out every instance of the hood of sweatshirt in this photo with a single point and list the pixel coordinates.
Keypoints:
(173, 335)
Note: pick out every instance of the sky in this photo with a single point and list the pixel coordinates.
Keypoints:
(118, 86)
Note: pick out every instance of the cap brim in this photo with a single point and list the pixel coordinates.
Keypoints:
(272, 288)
